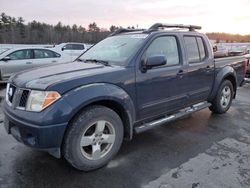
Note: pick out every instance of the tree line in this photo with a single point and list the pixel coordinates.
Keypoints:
(16, 31)
(228, 38)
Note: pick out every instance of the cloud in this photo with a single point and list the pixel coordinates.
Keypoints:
(213, 15)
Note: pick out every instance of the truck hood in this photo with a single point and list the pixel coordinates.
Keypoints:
(42, 77)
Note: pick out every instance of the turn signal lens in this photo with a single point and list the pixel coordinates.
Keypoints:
(51, 97)
(39, 100)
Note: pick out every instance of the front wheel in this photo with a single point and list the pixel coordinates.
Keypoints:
(93, 138)
(223, 99)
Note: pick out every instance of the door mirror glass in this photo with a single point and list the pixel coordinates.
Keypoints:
(7, 58)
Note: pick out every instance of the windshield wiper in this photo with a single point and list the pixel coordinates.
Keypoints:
(105, 63)
(79, 60)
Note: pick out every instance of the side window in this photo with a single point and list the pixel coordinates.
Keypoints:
(40, 53)
(68, 47)
(201, 48)
(195, 49)
(73, 47)
(78, 47)
(20, 54)
(166, 46)
(192, 49)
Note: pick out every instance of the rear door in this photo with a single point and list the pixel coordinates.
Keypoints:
(160, 89)
(45, 57)
(200, 68)
(19, 60)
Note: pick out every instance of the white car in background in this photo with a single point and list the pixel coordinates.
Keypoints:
(18, 59)
(72, 49)
(220, 51)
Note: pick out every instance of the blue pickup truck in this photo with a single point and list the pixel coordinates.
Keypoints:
(130, 82)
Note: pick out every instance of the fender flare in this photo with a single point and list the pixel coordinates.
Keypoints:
(225, 72)
(81, 97)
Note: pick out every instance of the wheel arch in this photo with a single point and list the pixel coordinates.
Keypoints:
(119, 109)
(108, 95)
(227, 73)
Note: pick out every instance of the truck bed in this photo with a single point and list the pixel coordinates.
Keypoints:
(236, 62)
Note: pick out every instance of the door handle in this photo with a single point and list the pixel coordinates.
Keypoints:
(54, 61)
(28, 63)
(180, 73)
(208, 69)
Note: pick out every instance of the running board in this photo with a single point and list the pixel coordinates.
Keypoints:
(169, 118)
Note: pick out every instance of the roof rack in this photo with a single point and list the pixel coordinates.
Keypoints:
(161, 25)
(122, 30)
(156, 27)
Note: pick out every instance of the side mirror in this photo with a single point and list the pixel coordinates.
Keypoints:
(215, 49)
(153, 61)
(63, 48)
(7, 58)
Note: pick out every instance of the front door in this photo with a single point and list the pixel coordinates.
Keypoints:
(161, 89)
(19, 60)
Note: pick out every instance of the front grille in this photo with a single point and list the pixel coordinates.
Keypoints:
(24, 98)
(17, 97)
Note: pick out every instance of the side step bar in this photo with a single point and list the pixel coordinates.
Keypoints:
(169, 118)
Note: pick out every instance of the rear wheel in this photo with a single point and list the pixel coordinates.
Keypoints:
(223, 99)
(93, 138)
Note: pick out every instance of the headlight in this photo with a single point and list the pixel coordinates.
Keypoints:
(39, 100)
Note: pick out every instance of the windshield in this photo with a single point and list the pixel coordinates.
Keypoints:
(116, 49)
(2, 50)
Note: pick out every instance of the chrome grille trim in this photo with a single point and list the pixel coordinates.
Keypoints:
(19, 98)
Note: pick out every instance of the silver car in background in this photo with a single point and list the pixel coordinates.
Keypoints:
(19, 59)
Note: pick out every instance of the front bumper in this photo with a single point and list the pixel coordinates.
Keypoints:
(48, 137)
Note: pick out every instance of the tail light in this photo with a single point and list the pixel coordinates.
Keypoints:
(245, 64)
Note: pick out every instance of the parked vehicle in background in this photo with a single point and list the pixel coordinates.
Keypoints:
(248, 67)
(130, 82)
(220, 51)
(237, 51)
(26, 45)
(19, 59)
(72, 49)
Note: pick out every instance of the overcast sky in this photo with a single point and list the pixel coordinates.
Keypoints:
(212, 15)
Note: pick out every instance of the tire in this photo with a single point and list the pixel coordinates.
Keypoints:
(223, 98)
(93, 138)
